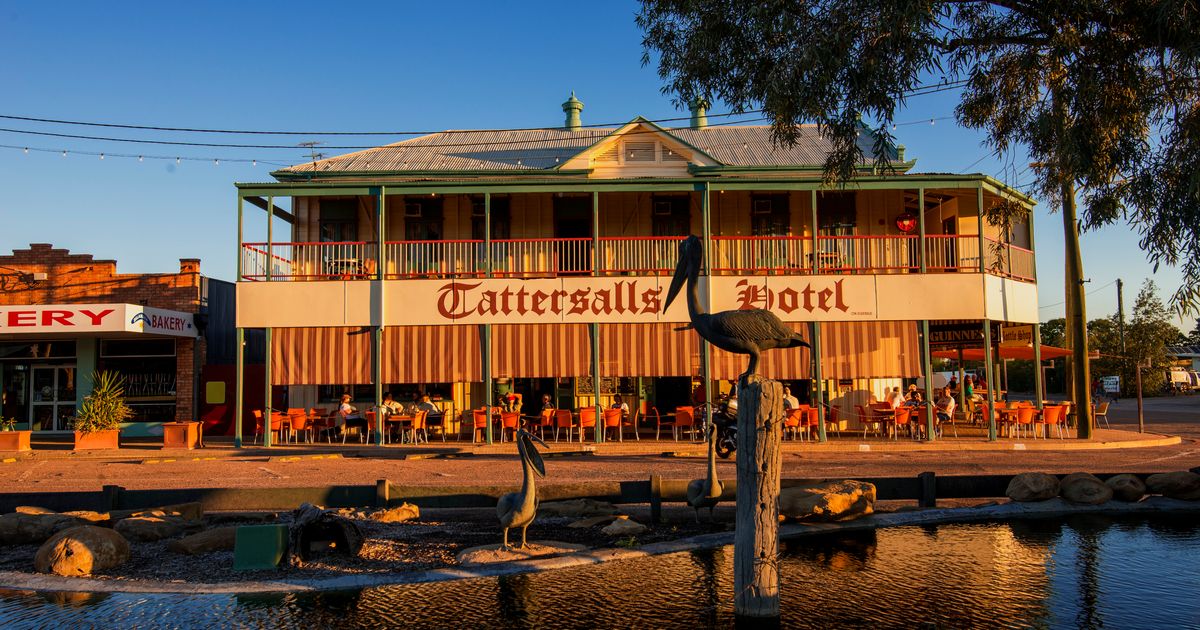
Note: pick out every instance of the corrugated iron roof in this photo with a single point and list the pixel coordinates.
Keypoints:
(539, 149)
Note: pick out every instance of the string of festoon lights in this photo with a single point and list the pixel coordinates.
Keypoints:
(142, 157)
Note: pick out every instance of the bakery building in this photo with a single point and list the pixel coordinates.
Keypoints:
(65, 315)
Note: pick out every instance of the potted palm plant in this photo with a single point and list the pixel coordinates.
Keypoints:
(10, 438)
(98, 422)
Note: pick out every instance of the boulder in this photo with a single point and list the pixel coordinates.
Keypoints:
(33, 509)
(402, 512)
(81, 551)
(625, 527)
(828, 501)
(215, 539)
(1183, 485)
(315, 531)
(576, 508)
(192, 511)
(1126, 487)
(100, 519)
(22, 528)
(491, 554)
(1085, 489)
(153, 527)
(1032, 486)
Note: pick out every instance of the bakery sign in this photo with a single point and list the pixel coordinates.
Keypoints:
(629, 299)
(92, 318)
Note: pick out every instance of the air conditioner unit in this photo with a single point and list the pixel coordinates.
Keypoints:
(762, 206)
(662, 208)
(412, 210)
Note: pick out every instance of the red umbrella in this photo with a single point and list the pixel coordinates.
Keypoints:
(1009, 352)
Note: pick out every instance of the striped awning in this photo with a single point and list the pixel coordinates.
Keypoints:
(431, 354)
(320, 356)
(540, 350)
(870, 350)
(789, 364)
(648, 350)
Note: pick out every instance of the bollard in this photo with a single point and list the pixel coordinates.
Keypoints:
(756, 541)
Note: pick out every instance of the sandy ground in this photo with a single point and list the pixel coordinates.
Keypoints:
(145, 468)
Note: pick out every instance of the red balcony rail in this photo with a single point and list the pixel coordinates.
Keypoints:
(308, 261)
(548, 258)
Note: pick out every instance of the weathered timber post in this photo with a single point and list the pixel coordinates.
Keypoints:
(756, 542)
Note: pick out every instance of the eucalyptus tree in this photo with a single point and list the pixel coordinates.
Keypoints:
(1100, 93)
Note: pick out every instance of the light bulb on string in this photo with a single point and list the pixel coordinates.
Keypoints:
(139, 158)
(101, 156)
(176, 160)
(253, 162)
(26, 149)
(930, 122)
(64, 154)
(216, 162)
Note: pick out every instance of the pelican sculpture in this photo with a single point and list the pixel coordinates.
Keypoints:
(518, 509)
(743, 331)
(706, 493)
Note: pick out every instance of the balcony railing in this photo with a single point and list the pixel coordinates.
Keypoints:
(548, 258)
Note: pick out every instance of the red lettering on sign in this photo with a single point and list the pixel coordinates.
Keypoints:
(63, 318)
(96, 317)
(22, 318)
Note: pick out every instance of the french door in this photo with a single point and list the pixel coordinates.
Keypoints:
(52, 397)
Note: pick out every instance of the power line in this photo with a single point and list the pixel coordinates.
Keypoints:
(1097, 289)
(142, 157)
(921, 91)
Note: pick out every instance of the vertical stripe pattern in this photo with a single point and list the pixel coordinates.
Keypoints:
(788, 364)
(540, 350)
(431, 354)
(321, 356)
(870, 350)
(648, 350)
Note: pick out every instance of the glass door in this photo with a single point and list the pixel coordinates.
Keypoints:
(52, 397)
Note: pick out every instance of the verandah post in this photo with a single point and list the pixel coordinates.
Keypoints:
(819, 381)
(988, 372)
(1038, 386)
(705, 349)
(266, 414)
(377, 333)
(487, 328)
(927, 372)
(240, 341)
(595, 327)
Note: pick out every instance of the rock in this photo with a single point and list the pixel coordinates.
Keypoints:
(215, 539)
(402, 512)
(1085, 489)
(489, 554)
(22, 528)
(577, 508)
(1032, 486)
(593, 521)
(153, 527)
(314, 530)
(99, 519)
(33, 509)
(81, 551)
(1184, 485)
(1126, 487)
(191, 511)
(828, 501)
(625, 527)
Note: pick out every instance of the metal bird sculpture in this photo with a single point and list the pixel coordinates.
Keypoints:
(706, 493)
(742, 331)
(518, 509)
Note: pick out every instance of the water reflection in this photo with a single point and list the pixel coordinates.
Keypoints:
(1074, 573)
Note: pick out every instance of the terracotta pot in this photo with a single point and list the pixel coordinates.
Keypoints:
(14, 440)
(181, 434)
(97, 440)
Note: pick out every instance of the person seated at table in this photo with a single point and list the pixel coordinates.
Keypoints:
(911, 393)
(894, 398)
(789, 401)
(547, 403)
(953, 384)
(945, 405)
(348, 416)
(427, 405)
(620, 404)
(915, 398)
(390, 405)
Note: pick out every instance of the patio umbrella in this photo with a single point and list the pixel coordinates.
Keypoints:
(1009, 352)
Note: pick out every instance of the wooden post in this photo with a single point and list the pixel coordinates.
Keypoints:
(756, 543)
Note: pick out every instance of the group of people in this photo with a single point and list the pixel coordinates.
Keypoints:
(618, 403)
(348, 416)
(943, 400)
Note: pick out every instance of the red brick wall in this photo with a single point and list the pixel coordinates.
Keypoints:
(80, 279)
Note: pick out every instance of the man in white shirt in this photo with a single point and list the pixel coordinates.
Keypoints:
(789, 401)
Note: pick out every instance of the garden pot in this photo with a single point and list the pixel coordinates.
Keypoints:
(97, 440)
(181, 435)
(14, 440)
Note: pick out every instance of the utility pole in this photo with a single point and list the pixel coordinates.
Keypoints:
(1121, 314)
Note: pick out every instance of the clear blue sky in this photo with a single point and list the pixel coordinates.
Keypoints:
(344, 66)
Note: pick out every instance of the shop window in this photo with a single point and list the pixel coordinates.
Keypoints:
(37, 350)
(149, 370)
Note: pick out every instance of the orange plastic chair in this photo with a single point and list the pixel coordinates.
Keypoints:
(902, 418)
(812, 421)
(418, 424)
(685, 420)
(1055, 415)
(660, 421)
(542, 421)
(480, 423)
(299, 421)
(793, 420)
(612, 420)
(867, 420)
(564, 419)
(1024, 418)
(632, 423)
(509, 421)
(587, 418)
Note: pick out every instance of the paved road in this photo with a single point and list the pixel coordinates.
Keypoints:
(1177, 416)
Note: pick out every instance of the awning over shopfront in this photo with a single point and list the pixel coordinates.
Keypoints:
(1009, 352)
(93, 319)
(539, 350)
(870, 350)
(648, 350)
(790, 364)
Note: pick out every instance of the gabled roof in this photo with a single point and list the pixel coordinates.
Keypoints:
(533, 150)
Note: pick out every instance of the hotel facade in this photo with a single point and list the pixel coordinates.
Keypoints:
(467, 264)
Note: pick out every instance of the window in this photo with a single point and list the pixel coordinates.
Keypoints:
(339, 220)
(37, 350)
(671, 215)
(501, 218)
(149, 370)
(423, 218)
(837, 213)
(769, 215)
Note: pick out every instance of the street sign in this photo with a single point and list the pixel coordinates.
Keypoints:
(1111, 384)
(1021, 335)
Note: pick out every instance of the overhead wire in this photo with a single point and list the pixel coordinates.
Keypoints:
(1097, 289)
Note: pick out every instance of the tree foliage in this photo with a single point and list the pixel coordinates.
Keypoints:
(1149, 334)
(1103, 94)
